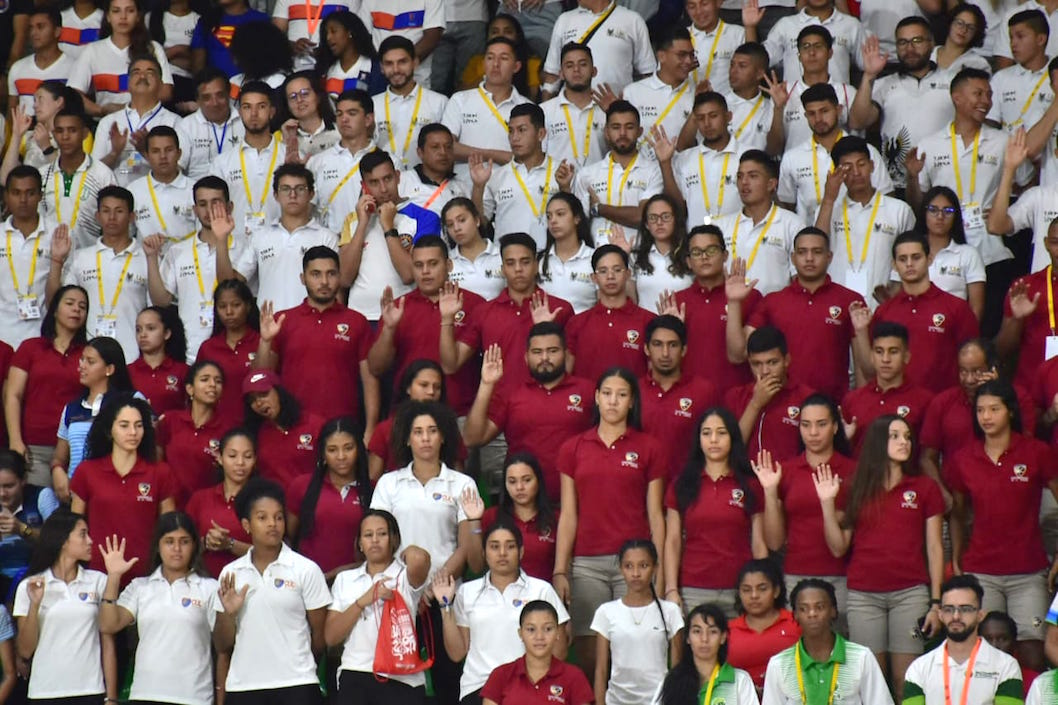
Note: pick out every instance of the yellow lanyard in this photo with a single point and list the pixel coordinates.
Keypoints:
(712, 51)
(801, 678)
(573, 137)
(815, 167)
(411, 127)
(672, 103)
(1028, 101)
(705, 186)
(157, 208)
(760, 238)
(1050, 296)
(973, 167)
(267, 179)
(121, 282)
(343, 182)
(537, 212)
(77, 198)
(492, 108)
(598, 21)
(621, 183)
(756, 107)
(33, 268)
(712, 682)
(870, 229)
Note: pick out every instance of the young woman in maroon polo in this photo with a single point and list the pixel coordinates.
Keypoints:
(999, 479)
(159, 372)
(286, 434)
(613, 482)
(713, 516)
(524, 504)
(233, 345)
(764, 626)
(120, 488)
(213, 508)
(189, 439)
(892, 526)
(325, 507)
(43, 376)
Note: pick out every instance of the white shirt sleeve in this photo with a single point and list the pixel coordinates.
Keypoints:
(644, 62)
(246, 264)
(460, 605)
(435, 15)
(744, 688)
(775, 44)
(382, 497)
(974, 270)
(552, 62)
(872, 684)
(1021, 210)
(773, 686)
(130, 597)
(81, 73)
(787, 183)
(163, 61)
(20, 608)
(600, 623)
(452, 118)
(314, 592)
(101, 145)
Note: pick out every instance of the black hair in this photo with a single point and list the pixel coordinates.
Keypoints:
(872, 469)
(645, 241)
(536, 605)
(289, 412)
(257, 87)
(1005, 392)
(818, 93)
(816, 30)
(199, 365)
(890, 329)
(765, 339)
(442, 415)
(139, 38)
(210, 74)
(359, 35)
(583, 230)
(14, 461)
(24, 171)
(545, 513)
(361, 480)
(683, 683)
(608, 249)
(56, 530)
(427, 130)
(849, 144)
(770, 570)
(374, 159)
(914, 21)
(176, 345)
(177, 521)
(100, 443)
(546, 328)
(1002, 618)
(257, 488)
(411, 372)
(261, 49)
(50, 11)
(810, 231)
(391, 524)
(324, 109)
(710, 97)
(913, 237)
(504, 525)
(242, 290)
(980, 22)
(147, 56)
(621, 106)
(319, 252)
(635, 411)
(466, 203)
(211, 182)
(711, 230)
(652, 551)
(813, 584)
(294, 170)
(396, 42)
(520, 47)
(756, 51)
(1036, 21)
(670, 34)
(427, 242)
(689, 482)
(522, 239)
(958, 227)
(666, 322)
(112, 354)
(764, 159)
(228, 437)
(75, 113)
(966, 581)
(113, 191)
(530, 110)
(841, 441)
(570, 47)
(965, 74)
(48, 326)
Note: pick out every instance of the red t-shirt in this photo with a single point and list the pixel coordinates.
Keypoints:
(706, 319)
(889, 539)
(611, 484)
(1037, 326)
(206, 507)
(235, 364)
(319, 357)
(283, 455)
(751, 650)
(332, 542)
(52, 380)
(564, 684)
(538, 558)
(538, 420)
(937, 324)
(867, 403)
(191, 451)
(1005, 497)
(778, 427)
(806, 546)
(602, 337)
(948, 422)
(162, 385)
(717, 532)
(380, 445)
(818, 332)
(672, 416)
(126, 506)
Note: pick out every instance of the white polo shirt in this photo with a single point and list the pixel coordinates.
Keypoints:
(1035, 209)
(846, 30)
(880, 17)
(870, 230)
(482, 275)
(275, 605)
(405, 18)
(570, 280)
(650, 285)
(67, 662)
(76, 206)
(358, 651)
(421, 191)
(912, 109)
(376, 267)
(164, 208)
(719, 170)
(254, 202)
(207, 140)
(1020, 97)
(574, 134)
(111, 311)
(714, 51)
(508, 193)
(974, 58)
(803, 177)
(750, 119)
(616, 186)
(954, 268)
(1001, 45)
(765, 246)
(301, 15)
(274, 255)
(24, 77)
(620, 48)
(77, 32)
(102, 70)
(974, 191)
(173, 618)
(794, 122)
(1043, 691)
(132, 165)
(22, 304)
(399, 119)
(492, 617)
(338, 182)
(659, 103)
(471, 118)
(178, 32)
(995, 673)
(428, 515)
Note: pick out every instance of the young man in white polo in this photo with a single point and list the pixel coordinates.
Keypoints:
(163, 195)
(405, 106)
(573, 118)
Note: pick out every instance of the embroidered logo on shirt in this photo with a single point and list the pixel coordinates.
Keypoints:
(441, 497)
(686, 403)
(145, 492)
(910, 500)
(938, 323)
(460, 315)
(190, 602)
(170, 383)
(631, 460)
(738, 499)
(902, 411)
(574, 404)
(834, 311)
(280, 583)
(1020, 472)
(517, 603)
(305, 441)
(792, 412)
(632, 336)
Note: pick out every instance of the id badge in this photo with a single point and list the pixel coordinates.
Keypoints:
(28, 308)
(856, 279)
(107, 326)
(972, 216)
(205, 314)
(1050, 347)
(254, 221)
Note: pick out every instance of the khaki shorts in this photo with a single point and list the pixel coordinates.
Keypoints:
(725, 599)
(841, 592)
(38, 472)
(595, 580)
(1024, 597)
(887, 622)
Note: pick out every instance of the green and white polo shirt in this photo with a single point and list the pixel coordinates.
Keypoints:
(859, 680)
(995, 680)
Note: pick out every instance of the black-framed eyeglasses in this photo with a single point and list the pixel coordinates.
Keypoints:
(703, 252)
(941, 211)
(303, 94)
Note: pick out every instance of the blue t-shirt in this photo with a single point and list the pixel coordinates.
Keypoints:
(216, 43)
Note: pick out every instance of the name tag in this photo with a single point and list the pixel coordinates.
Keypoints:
(107, 326)
(973, 216)
(1050, 347)
(28, 308)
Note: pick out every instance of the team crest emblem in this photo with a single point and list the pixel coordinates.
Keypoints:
(902, 411)
(834, 311)
(910, 496)
(278, 582)
(83, 596)
(186, 602)
(343, 328)
(171, 380)
(517, 602)
(214, 445)
(793, 412)
(305, 438)
(460, 315)
(556, 690)
(1020, 470)
(938, 319)
(686, 403)
(631, 456)
(738, 495)
(574, 399)
(632, 336)
(144, 488)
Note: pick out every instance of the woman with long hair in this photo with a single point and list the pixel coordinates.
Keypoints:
(306, 115)
(764, 626)
(954, 266)
(892, 525)
(346, 57)
(286, 434)
(172, 23)
(613, 480)
(565, 266)
(703, 674)
(967, 30)
(44, 373)
(233, 345)
(174, 609)
(326, 506)
(638, 634)
(525, 505)
(158, 373)
(81, 19)
(659, 255)
(476, 261)
(527, 78)
(31, 140)
(713, 516)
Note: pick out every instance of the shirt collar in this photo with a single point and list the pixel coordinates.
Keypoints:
(655, 82)
(427, 181)
(40, 231)
(512, 98)
(837, 654)
(731, 147)
(51, 577)
(132, 248)
(129, 110)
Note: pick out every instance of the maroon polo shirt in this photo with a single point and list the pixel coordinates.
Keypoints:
(162, 385)
(331, 543)
(602, 337)
(235, 363)
(563, 684)
(778, 427)
(706, 319)
(948, 423)
(283, 455)
(191, 451)
(672, 416)
(52, 380)
(937, 324)
(867, 403)
(1037, 326)
(206, 507)
(806, 546)
(538, 557)
(6, 354)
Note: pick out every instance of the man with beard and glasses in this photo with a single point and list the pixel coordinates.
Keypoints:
(536, 416)
(965, 663)
(573, 118)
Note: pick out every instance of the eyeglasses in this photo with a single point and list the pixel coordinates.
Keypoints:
(660, 217)
(961, 24)
(303, 94)
(940, 211)
(914, 41)
(702, 253)
(950, 610)
(287, 190)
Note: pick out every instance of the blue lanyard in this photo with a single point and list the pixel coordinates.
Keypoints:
(220, 140)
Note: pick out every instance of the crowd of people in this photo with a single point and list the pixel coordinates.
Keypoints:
(385, 351)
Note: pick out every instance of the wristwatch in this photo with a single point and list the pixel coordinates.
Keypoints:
(593, 210)
(26, 531)
(392, 232)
